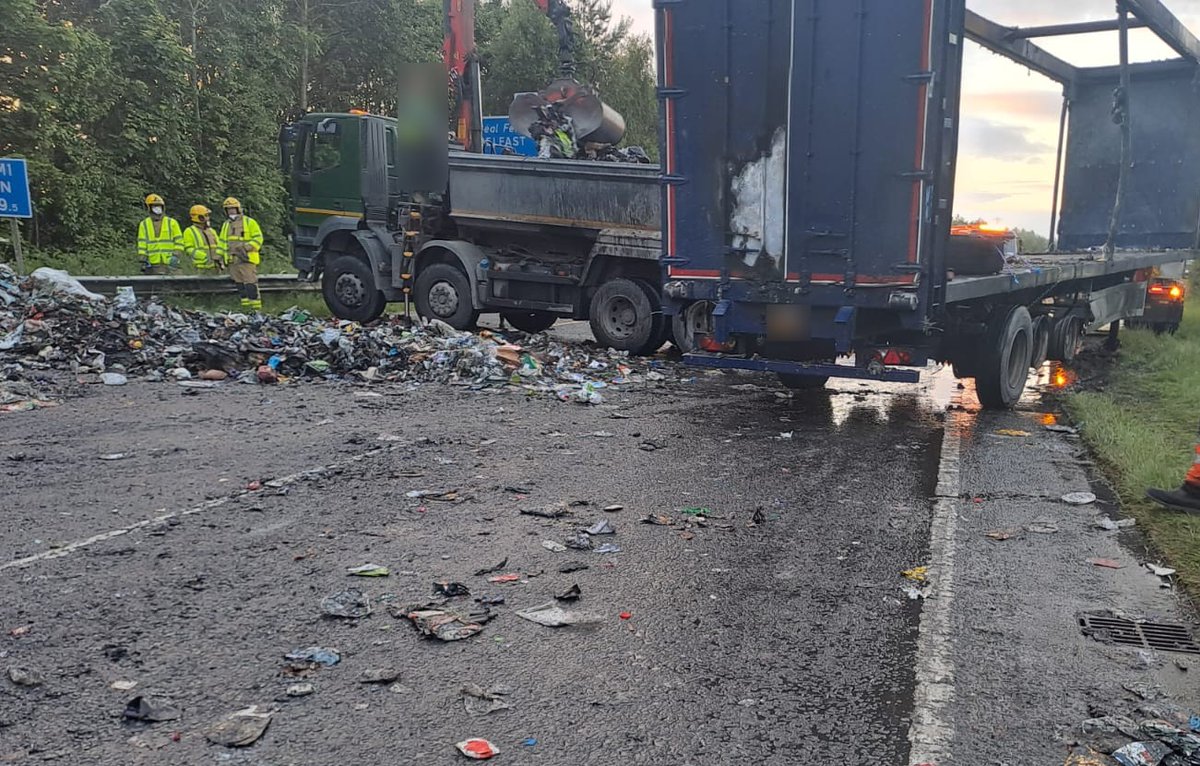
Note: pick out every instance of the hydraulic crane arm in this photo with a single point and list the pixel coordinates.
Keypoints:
(560, 15)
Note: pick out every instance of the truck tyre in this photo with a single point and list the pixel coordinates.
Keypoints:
(1004, 358)
(531, 322)
(1066, 339)
(444, 292)
(1165, 328)
(662, 323)
(691, 324)
(348, 287)
(1041, 341)
(622, 316)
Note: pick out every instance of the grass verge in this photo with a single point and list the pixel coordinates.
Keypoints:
(1142, 427)
(273, 303)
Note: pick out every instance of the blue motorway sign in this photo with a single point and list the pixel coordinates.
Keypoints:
(14, 189)
(498, 135)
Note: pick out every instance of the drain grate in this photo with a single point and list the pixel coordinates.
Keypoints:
(1110, 629)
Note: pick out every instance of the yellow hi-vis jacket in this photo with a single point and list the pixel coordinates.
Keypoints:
(250, 242)
(196, 245)
(157, 247)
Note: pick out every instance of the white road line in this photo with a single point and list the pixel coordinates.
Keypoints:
(283, 481)
(931, 733)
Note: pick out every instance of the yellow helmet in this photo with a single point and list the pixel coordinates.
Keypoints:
(154, 199)
(199, 211)
(231, 202)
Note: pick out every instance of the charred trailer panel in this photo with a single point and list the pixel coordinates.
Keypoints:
(809, 150)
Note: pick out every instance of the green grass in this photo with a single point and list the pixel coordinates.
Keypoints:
(273, 303)
(1142, 428)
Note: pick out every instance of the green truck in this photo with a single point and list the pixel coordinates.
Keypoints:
(533, 240)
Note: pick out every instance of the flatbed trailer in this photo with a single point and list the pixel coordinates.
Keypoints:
(809, 155)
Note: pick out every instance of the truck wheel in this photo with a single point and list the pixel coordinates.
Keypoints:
(444, 292)
(531, 322)
(691, 325)
(1165, 328)
(622, 316)
(348, 287)
(1004, 358)
(1066, 339)
(662, 324)
(1041, 341)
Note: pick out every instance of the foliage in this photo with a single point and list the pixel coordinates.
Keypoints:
(111, 100)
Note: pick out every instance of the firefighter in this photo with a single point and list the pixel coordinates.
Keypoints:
(201, 243)
(241, 245)
(159, 238)
(1187, 497)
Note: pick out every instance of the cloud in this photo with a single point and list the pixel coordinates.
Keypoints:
(984, 137)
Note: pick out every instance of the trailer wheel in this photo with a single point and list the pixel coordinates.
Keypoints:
(691, 325)
(444, 292)
(1066, 339)
(662, 324)
(1041, 341)
(1004, 358)
(531, 322)
(348, 287)
(622, 316)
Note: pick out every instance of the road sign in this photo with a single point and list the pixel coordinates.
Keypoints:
(499, 135)
(14, 189)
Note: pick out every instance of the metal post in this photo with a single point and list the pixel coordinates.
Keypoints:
(16, 243)
(1122, 117)
(1058, 166)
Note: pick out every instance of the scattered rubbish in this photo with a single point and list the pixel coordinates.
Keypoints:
(1160, 571)
(608, 548)
(916, 574)
(613, 508)
(113, 379)
(553, 546)
(1110, 525)
(657, 519)
(446, 625)
(504, 578)
(379, 676)
(489, 600)
(317, 654)
(555, 513)
(492, 570)
(626, 615)
(1141, 754)
(1106, 563)
(1001, 534)
(480, 701)
(574, 593)
(1080, 756)
(1060, 429)
(580, 542)
(1012, 432)
(240, 729)
(450, 589)
(553, 616)
(122, 686)
(913, 591)
(368, 570)
(529, 741)
(300, 690)
(115, 456)
(786, 434)
(573, 566)
(214, 375)
(440, 495)
(150, 709)
(696, 512)
(1079, 498)
(25, 676)
(477, 749)
(1042, 528)
(602, 527)
(351, 604)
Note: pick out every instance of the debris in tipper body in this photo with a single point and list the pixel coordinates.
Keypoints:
(57, 326)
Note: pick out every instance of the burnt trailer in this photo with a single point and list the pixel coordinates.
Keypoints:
(809, 155)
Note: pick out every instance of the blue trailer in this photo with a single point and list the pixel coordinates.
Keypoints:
(809, 151)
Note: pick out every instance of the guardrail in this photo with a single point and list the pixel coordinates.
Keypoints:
(190, 284)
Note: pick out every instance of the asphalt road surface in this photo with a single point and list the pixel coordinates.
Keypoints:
(765, 623)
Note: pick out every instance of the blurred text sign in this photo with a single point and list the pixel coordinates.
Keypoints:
(14, 189)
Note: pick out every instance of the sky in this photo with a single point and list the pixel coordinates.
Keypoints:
(1010, 115)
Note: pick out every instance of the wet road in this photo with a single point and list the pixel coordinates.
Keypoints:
(778, 642)
(771, 628)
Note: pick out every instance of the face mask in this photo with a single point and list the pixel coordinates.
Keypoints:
(156, 210)
(234, 216)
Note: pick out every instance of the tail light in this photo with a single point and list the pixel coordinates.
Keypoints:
(892, 357)
(1176, 293)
